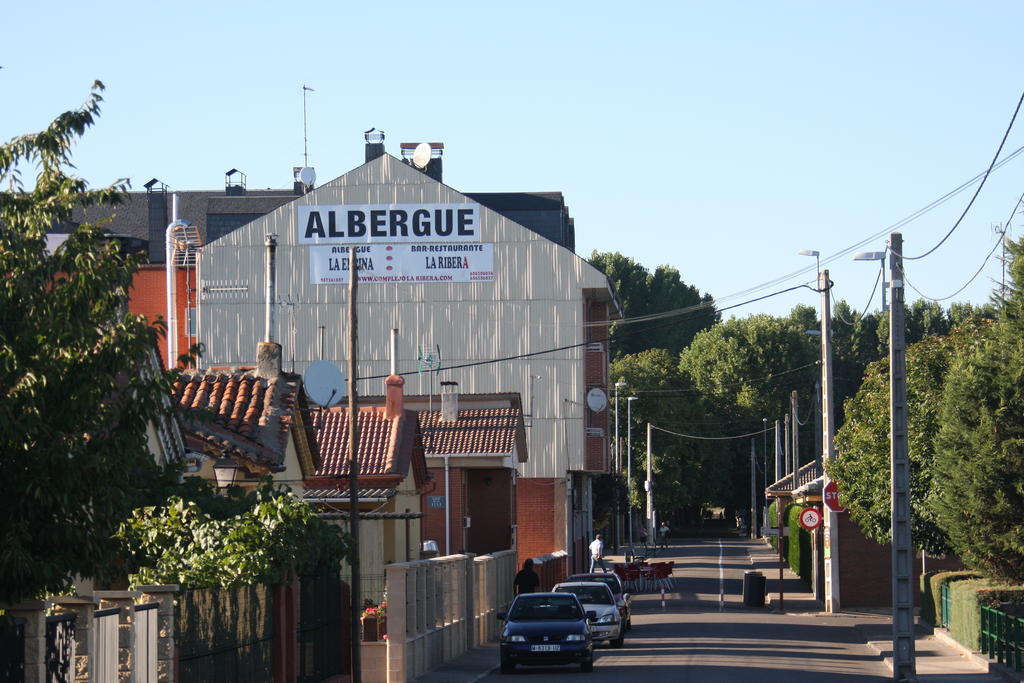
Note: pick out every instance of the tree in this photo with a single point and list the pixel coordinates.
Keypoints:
(76, 404)
(642, 293)
(862, 465)
(688, 473)
(271, 538)
(979, 464)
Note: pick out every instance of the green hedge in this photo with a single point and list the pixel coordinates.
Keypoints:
(931, 592)
(799, 554)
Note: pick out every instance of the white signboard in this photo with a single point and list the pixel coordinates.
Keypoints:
(404, 263)
(387, 223)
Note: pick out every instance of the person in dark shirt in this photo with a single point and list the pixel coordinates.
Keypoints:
(526, 580)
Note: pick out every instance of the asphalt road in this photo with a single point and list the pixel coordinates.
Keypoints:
(705, 633)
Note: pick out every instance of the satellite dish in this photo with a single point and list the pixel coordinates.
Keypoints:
(324, 383)
(421, 155)
(597, 399)
(307, 175)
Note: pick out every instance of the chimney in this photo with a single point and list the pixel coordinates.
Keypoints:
(374, 144)
(268, 360)
(430, 166)
(395, 401)
(449, 401)
(271, 242)
(234, 183)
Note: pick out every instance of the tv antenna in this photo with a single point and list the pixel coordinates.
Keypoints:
(305, 138)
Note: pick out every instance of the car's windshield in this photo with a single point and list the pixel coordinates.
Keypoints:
(591, 595)
(545, 607)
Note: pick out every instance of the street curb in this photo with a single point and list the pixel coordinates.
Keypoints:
(993, 667)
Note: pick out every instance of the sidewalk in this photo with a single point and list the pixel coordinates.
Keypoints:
(469, 667)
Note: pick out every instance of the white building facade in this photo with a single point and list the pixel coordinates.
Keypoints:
(476, 298)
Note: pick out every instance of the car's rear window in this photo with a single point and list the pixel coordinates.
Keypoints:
(593, 595)
(545, 607)
(611, 581)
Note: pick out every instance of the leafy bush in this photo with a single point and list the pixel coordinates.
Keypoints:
(798, 551)
(276, 537)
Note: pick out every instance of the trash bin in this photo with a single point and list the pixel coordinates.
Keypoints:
(753, 589)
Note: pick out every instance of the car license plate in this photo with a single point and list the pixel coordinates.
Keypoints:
(544, 648)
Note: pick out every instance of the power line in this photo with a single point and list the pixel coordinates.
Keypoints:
(724, 386)
(714, 438)
(976, 192)
(977, 272)
(583, 343)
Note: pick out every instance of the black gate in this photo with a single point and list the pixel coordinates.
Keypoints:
(226, 635)
(60, 648)
(12, 649)
(319, 634)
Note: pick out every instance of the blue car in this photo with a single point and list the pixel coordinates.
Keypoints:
(546, 629)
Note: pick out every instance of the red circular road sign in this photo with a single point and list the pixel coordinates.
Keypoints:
(831, 496)
(810, 518)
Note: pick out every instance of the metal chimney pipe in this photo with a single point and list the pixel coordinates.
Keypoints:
(271, 243)
(394, 351)
(172, 318)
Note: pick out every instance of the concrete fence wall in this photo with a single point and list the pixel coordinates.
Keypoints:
(140, 650)
(439, 608)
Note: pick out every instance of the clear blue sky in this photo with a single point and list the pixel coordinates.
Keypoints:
(718, 137)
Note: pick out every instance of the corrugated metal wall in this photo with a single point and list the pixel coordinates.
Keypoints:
(535, 303)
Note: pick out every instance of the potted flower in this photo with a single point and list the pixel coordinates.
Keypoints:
(374, 621)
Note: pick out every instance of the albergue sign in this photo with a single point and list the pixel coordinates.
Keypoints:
(387, 223)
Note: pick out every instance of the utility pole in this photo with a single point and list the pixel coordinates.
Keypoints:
(778, 451)
(650, 489)
(795, 435)
(353, 465)
(830, 531)
(753, 490)
(903, 664)
(788, 442)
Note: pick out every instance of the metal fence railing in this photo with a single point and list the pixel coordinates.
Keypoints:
(60, 648)
(12, 649)
(146, 632)
(946, 604)
(1001, 635)
(104, 665)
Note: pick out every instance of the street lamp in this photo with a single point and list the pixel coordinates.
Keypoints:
(875, 256)
(815, 254)
(629, 467)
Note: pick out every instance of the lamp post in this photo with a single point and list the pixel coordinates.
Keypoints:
(629, 467)
(618, 460)
(875, 256)
(815, 254)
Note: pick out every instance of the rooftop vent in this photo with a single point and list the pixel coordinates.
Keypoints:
(234, 183)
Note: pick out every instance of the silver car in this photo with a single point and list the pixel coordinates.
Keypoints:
(607, 625)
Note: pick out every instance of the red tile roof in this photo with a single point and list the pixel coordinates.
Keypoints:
(249, 416)
(477, 431)
(377, 441)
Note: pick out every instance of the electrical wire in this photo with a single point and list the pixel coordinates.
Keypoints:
(584, 343)
(977, 272)
(976, 192)
(729, 384)
(713, 438)
(866, 306)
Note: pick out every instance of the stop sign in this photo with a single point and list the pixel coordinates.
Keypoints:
(831, 496)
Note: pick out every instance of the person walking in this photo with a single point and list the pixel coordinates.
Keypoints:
(597, 554)
(526, 580)
(663, 532)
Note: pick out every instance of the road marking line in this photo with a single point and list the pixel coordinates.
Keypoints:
(721, 577)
